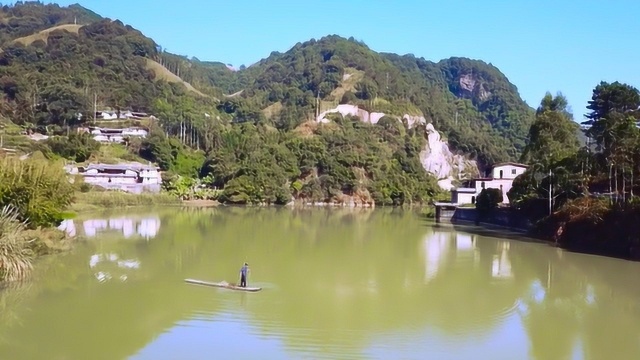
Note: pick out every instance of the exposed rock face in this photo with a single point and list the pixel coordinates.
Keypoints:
(365, 116)
(436, 158)
(447, 167)
(470, 88)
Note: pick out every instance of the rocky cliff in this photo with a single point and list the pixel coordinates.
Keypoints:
(446, 166)
(437, 159)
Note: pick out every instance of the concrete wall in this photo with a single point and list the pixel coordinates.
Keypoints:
(463, 197)
(501, 217)
(460, 197)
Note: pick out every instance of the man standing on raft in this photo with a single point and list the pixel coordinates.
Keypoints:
(243, 275)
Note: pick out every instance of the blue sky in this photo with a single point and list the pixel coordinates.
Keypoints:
(563, 45)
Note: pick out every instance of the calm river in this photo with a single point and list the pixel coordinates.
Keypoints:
(337, 284)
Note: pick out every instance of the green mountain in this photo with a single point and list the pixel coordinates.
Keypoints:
(471, 102)
(63, 58)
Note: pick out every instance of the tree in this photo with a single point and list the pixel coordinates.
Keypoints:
(613, 126)
(553, 142)
(610, 105)
(553, 135)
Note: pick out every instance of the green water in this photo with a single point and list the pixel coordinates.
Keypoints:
(337, 284)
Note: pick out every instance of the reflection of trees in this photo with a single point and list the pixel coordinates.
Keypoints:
(579, 303)
(11, 296)
(549, 311)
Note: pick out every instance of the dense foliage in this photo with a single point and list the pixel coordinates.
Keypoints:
(255, 163)
(74, 147)
(471, 102)
(553, 148)
(38, 189)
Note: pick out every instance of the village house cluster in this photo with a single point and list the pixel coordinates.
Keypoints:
(118, 135)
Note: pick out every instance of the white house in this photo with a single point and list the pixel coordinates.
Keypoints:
(500, 177)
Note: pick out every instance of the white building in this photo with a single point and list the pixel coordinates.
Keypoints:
(500, 177)
(122, 115)
(116, 135)
(131, 177)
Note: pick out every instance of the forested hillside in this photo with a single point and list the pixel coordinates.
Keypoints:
(57, 64)
(470, 101)
(50, 73)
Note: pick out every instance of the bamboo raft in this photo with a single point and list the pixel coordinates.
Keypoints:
(223, 284)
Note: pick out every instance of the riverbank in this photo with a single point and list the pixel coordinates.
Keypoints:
(97, 200)
(200, 203)
(600, 230)
(500, 217)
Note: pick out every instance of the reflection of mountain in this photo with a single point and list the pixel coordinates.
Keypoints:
(129, 227)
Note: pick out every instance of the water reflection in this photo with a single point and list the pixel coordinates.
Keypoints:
(338, 284)
(501, 266)
(110, 265)
(127, 226)
(442, 249)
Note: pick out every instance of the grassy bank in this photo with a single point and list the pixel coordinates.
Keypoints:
(89, 201)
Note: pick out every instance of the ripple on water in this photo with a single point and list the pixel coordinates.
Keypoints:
(298, 342)
(477, 327)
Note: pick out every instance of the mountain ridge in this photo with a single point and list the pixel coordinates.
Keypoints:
(475, 106)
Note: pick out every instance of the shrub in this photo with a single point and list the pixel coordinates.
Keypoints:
(84, 187)
(488, 200)
(39, 190)
(348, 98)
(15, 254)
(75, 147)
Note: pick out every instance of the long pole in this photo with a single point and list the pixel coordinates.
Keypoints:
(550, 194)
(95, 106)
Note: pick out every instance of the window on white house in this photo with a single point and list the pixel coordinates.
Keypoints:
(513, 171)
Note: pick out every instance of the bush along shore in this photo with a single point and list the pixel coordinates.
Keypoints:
(33, 196)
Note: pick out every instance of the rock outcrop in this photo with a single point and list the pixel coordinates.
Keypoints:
(436, 158)
(471, 88)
